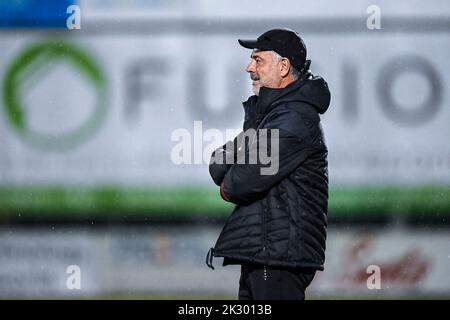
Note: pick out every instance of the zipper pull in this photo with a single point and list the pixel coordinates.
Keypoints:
(209, 258)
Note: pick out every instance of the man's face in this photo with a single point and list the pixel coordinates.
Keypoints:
(264, 70)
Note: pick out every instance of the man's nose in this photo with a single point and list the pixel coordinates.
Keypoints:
(250, 68)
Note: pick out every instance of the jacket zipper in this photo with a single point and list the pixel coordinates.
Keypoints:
(264, 214)
(264, 228)
(264, 242)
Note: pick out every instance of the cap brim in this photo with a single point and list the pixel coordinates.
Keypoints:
(249, 44)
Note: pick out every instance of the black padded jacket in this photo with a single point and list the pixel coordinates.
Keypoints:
(280, 219)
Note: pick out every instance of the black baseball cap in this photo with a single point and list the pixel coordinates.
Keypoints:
(286, 42)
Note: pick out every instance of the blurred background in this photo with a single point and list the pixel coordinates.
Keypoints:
(92, 203)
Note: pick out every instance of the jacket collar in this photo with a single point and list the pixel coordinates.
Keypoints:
(268, 98)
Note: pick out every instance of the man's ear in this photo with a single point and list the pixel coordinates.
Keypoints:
(285, 66)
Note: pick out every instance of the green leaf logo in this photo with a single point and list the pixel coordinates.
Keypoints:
(33, 62)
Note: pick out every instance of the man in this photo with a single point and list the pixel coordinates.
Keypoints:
(277, 230)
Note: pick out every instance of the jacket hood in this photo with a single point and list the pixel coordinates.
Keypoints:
(314, 92)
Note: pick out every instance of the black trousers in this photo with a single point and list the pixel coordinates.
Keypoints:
(268, 283)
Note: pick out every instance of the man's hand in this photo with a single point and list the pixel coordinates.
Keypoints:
(221, 161)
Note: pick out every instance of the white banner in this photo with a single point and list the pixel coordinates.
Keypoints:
(109, 117)
(142, 260)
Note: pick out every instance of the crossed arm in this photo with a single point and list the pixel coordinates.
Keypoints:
(242, 182)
